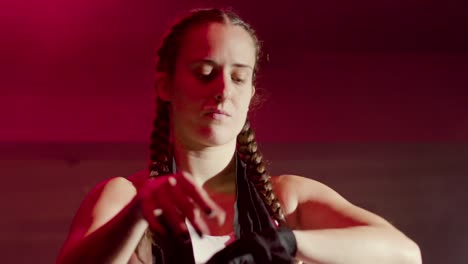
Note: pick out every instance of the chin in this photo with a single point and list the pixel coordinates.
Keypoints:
(218, 136)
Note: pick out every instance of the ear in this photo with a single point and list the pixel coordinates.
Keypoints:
(162, 86)
(253, 91)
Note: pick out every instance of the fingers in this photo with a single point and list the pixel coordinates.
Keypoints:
(170, 214)
(150, 211)
(187, 208)
(166, 201)
(201, 198)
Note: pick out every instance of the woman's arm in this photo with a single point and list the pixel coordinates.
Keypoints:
(329, 229)
(113, 218)
(108, 226)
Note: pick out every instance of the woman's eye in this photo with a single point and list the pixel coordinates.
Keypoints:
(205, 73)
(203, 76)
(239, 78)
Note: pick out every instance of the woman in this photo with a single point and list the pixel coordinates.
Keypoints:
(207, 192)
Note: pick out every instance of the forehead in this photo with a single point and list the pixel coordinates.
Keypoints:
(222, 43)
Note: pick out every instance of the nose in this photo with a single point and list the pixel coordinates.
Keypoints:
(223, 87)
(219, 97)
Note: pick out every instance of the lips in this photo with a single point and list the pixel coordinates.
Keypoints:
(215, 111)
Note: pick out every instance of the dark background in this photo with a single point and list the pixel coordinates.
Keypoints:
(370, 97)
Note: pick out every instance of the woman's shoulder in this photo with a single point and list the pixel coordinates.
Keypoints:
(102, 203)
(105, 200)
(116, 191)
(289, 184)
(110, 187)
(285, 180)
(286, 190)
(299, 187)
(294, 190)
(111, 195)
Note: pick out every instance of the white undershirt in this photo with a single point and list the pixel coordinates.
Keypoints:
(204, 248)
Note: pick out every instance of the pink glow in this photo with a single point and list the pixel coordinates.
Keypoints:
(83, 71)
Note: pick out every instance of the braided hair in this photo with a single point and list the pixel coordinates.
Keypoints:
(247, 148)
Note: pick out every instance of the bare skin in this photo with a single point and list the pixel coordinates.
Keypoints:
(215, 72)
(323, 223)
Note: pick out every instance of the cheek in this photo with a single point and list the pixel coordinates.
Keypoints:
(242, 108)
(244, 99)
(186, 92)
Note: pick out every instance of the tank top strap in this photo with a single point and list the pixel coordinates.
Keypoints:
(251, 214)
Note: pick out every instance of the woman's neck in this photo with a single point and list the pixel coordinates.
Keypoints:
(211, 167)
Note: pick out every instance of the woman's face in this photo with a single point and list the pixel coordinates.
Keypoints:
(212, 85)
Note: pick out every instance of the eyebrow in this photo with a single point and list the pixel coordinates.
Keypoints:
(238, 65)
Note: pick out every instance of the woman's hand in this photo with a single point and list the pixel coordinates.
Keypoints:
(167, 200)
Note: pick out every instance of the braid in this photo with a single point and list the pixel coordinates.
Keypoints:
(160, 155)
(160, 147)
(249, 153)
